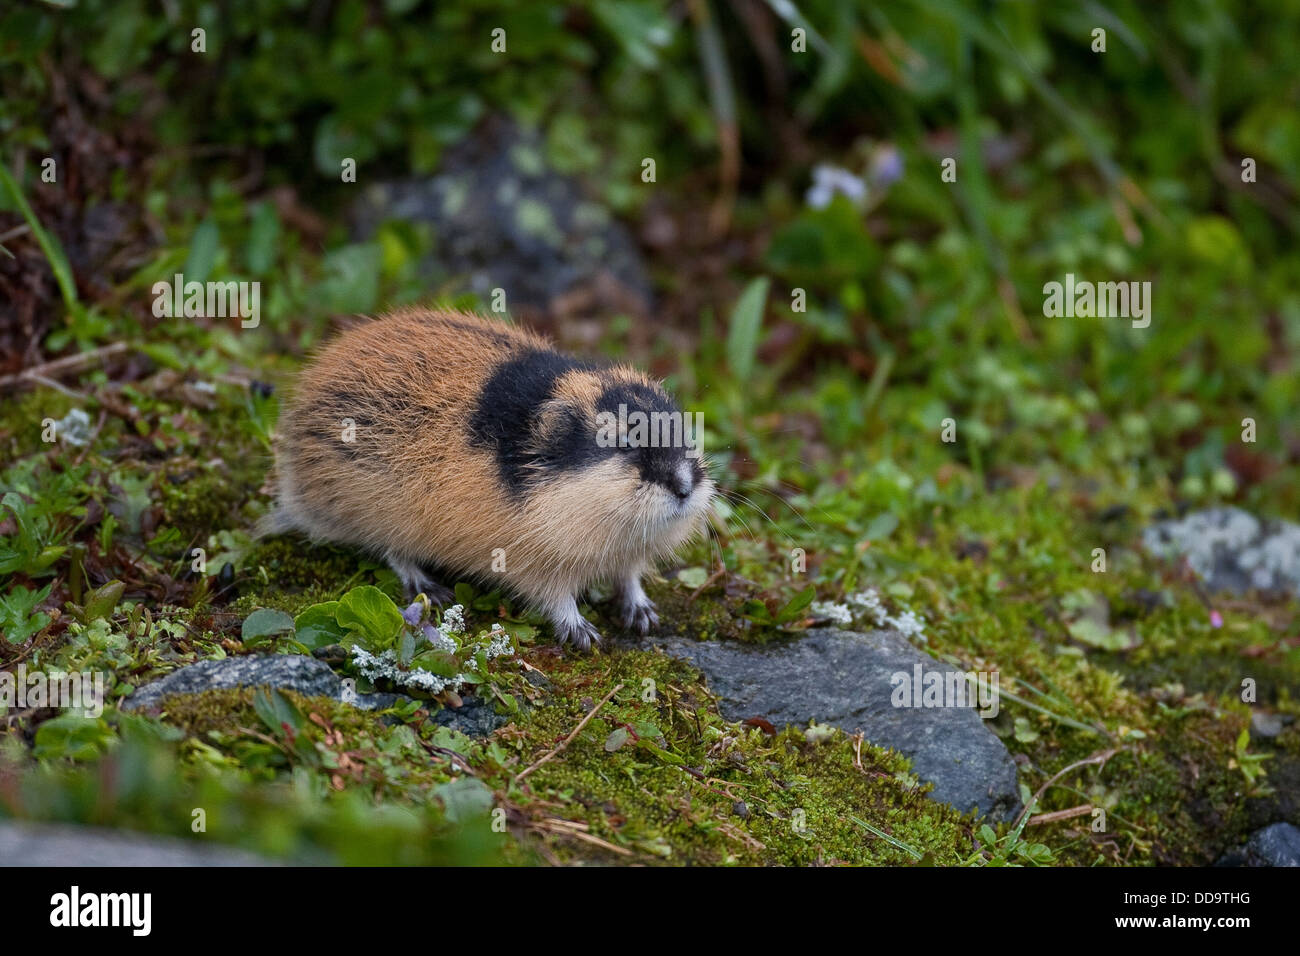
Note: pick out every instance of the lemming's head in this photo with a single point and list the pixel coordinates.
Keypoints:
(606, 443)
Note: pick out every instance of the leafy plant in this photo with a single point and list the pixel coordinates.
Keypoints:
(19, 619)
(1009, 850)
(793, 610)
(1251, 765)
(32, 550)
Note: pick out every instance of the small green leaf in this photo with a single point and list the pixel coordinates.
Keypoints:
(693, 577)
(276, 710)
(265, 623)
(662, 754)
(794, 609)
(1025, 731)
(73, 736)
(617, 739)
(204, 245)
(102, 602)
(881, 526)
(263, 237)
(746, 323)
(405, 648)
(316, 627)
(371, 615)
(465, 798)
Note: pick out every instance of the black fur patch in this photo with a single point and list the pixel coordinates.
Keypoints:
(507, 409)
(659, 457)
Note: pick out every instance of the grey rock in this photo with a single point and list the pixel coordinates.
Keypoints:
(1265, 724)
(307, 676)
(1232, 550)
(56, 844)
(295, 672)
(502, 219)
(376, 701)
(1277, 844)
(475, 716)
(844, 678)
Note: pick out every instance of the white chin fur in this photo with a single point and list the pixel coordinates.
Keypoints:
(674, 512)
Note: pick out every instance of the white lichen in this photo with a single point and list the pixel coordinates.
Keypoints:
(74, 428)
(910, 624)
(1227, 545)
(866, 608)
(453, 620)
(384, 666)
(498, 645)
(440, 641)
(836, 613)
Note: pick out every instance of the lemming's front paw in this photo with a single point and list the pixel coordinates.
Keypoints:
(639, 615)
(579, 631)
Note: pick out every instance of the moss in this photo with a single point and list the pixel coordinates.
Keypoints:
(199, 500)
(708, 617)
(21, 416)
(799, 797)
(226, 710)
(289, 573)
(291, 602)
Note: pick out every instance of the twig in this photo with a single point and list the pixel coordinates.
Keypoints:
(569, 739)
(555, 825)
(59, 387)
(1098, 758)
(451, 755)
(19, 230)
(1082, 810)
(704, 782)
(67, 363)
(707, 583)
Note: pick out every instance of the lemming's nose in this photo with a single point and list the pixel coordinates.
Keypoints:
(684, 481)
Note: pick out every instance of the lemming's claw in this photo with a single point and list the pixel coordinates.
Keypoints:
(640, 616)
(580, 632)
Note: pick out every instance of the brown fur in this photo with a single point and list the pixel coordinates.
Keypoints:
(414, 488)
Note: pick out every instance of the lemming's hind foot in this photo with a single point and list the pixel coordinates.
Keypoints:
(415, 581)
(571, 627)
(580, 633)
(636, 610)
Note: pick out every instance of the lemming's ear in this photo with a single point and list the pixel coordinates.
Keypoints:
(552, 418)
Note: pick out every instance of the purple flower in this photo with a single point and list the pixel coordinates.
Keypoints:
(1216, 619)
(887, 166)
(413, 614)
(828, 181)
